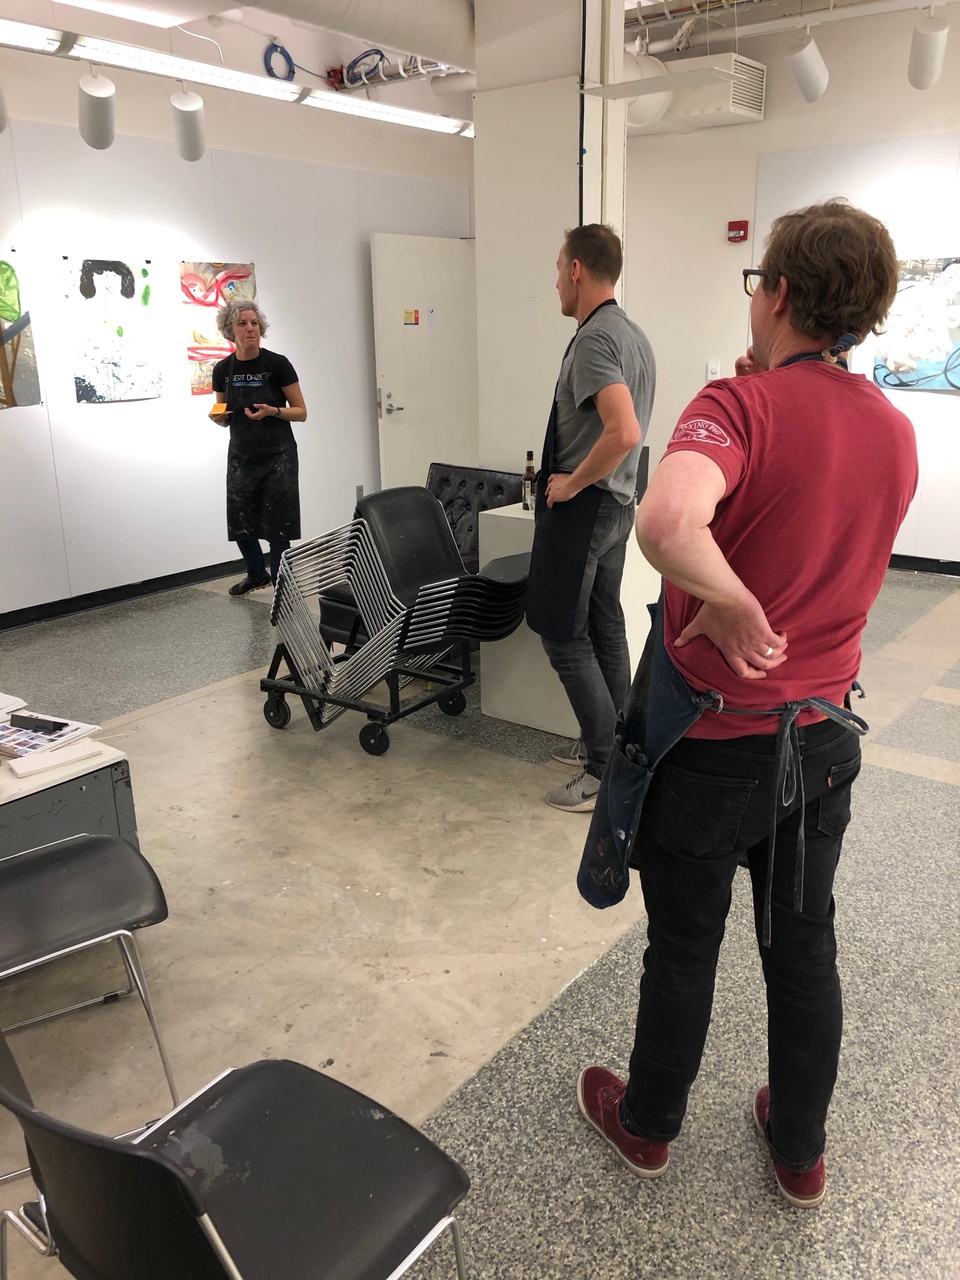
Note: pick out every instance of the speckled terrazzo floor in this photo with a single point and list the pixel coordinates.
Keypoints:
(906, 597)
(105, 662)
(549, 1199)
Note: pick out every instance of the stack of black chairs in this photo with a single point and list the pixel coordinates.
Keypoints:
(415, 604)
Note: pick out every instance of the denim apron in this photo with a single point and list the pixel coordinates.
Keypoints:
(561, 538)
(661, 708)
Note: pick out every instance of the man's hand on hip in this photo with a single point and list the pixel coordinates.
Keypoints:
(741, 632)
(560, 488)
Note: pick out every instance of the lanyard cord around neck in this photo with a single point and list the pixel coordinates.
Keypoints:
(837, 354)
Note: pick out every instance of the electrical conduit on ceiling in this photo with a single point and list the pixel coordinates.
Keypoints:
(718, 35)
(441, 30)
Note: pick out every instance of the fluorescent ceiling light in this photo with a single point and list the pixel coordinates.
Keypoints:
(330, 100)
(131, 58)
(112, 53)
(157, 13)
(21, 35)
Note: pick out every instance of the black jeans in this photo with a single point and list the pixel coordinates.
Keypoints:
(594, 667)
(256, 566)
(709, 805)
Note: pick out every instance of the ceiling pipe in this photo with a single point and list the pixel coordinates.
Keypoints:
(441, 30)
(454, 82)
(718, 35)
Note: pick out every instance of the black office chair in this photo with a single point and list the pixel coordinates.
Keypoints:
(272, 1171)
(66, 897)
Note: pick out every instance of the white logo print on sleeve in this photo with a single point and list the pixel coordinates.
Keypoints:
(701, 430)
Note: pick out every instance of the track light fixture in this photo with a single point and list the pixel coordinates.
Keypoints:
(97, 96)
(926, 51)
(188, 130)
(808, 68)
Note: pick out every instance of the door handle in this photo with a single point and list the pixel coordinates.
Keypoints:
(394, 408)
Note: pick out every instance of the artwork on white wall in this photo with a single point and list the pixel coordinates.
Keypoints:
(205, 288)
(19, 382)
(920, 348)
(113, 329)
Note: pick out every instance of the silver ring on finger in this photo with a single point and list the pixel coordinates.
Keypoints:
(769, 653)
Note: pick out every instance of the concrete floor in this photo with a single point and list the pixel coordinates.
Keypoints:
(393, 920)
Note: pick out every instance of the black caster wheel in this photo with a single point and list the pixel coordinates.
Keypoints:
(452, 704)
(374, 739)
(276, 712)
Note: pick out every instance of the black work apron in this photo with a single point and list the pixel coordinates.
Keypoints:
(263, 490)
(561, 538)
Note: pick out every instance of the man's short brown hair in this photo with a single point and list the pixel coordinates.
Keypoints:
(597, 248)
(841, 267)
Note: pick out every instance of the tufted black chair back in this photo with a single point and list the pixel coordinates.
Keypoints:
(466, 491)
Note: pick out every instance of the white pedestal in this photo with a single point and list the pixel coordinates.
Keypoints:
(518, 684)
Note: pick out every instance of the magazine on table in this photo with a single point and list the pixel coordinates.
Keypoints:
(16, 741)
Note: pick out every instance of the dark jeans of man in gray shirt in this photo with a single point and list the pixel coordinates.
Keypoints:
(594, 667)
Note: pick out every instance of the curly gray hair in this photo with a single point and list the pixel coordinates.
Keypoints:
(231, 311)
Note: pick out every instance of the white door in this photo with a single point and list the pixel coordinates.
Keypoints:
(425, 330)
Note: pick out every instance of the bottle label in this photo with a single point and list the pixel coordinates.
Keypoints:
(528, 495)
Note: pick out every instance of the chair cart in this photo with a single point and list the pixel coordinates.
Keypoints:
(414, 614)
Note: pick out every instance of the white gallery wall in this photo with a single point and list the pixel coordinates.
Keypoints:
(101, 495)
(872, 138)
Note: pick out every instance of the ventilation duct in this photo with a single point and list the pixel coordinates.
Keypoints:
(441, 30)
(738, 98)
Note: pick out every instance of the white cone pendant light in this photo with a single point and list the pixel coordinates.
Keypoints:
(808, 67)
(97, 95)
(188, 130)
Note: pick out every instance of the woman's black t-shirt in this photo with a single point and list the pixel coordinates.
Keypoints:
(245, 383)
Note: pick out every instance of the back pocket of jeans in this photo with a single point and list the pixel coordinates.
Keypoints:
(834, 817)
(701, 813)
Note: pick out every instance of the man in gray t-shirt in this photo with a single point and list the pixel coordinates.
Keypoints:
(585, 508)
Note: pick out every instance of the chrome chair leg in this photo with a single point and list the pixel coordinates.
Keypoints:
(448, 1223)
(108, 997)
(138, 982)
(131, 957)
(44, 1245)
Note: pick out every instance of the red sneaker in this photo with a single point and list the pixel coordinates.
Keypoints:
(600, 1093)
(805, 1190)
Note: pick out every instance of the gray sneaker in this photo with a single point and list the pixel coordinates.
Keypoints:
(574, 757)
(579, 795)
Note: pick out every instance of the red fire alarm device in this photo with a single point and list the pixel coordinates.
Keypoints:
(737, 232)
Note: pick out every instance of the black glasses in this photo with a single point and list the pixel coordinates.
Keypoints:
(749, 283)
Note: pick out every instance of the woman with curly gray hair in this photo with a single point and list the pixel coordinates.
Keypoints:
(258, 396)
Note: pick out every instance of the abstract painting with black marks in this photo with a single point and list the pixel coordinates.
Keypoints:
(205, 288)
(19, 381)
(114, 329)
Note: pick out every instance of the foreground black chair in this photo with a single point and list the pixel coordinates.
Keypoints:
(71, 895)
(273, 1172)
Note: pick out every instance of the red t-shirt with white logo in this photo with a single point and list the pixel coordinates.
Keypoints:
(820, 469)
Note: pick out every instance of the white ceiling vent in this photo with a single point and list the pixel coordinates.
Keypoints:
(735, 97)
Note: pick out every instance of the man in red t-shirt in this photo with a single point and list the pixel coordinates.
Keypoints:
(772, 518)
